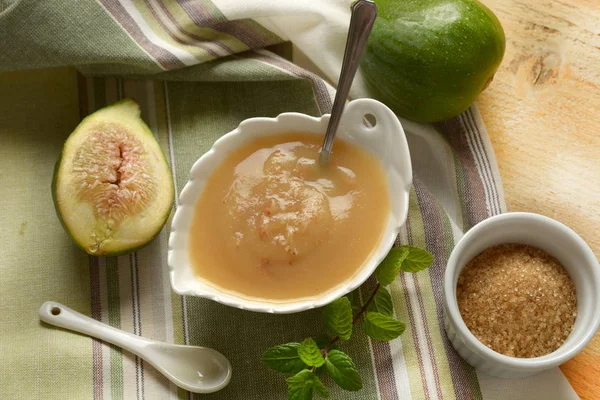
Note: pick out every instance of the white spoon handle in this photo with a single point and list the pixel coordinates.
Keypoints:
(59, 315)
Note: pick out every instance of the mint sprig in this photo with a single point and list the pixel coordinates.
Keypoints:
(284, 358)
(391, 265)
(302, 385)
(343, 371)
(417, 259)
(310, 353)
(338, 317)
(381, 327)
(382, 303)
(304, 360)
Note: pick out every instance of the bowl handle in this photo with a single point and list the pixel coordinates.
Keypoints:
(385, 137)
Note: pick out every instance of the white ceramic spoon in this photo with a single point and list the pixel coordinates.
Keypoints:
(197, 369)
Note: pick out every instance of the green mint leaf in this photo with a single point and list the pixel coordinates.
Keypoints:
(417, 259)
(389, 268)
(284, 358)
(301, 386)
(382, 327)
(354, 297)
(338, 318)
(343, 371)
(310, 353)
(319, 388)
(382, 303)
(323, 341)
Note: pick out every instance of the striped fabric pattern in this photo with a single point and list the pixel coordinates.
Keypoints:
(188, 109)
(132, 292)
(178, 33)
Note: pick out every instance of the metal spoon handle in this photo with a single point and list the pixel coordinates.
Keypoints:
(363, 16)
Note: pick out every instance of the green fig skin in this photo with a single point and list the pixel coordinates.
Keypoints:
(428, 60)
(128, 110)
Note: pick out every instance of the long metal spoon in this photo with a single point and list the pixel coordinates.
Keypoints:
(363, 16)
(197, 369)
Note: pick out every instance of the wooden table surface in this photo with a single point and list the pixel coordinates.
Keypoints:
(542, 112)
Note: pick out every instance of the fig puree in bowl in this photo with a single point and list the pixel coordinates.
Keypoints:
(261, 226)
(272, 223)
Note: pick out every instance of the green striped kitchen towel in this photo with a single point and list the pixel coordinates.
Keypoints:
(197, 68)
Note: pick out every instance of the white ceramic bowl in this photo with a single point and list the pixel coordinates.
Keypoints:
(385, 139)
(557, 240)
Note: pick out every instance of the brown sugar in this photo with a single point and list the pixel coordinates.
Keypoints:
(517, 300)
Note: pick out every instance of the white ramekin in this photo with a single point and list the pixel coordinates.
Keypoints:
(386, 139)
(557, 240)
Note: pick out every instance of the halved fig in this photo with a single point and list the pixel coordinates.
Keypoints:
(112, 187)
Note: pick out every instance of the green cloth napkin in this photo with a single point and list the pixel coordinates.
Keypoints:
(188, 103)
